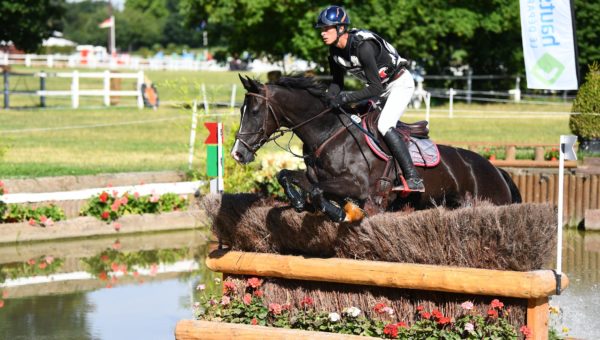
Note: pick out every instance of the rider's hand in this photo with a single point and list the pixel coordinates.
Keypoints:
(338, 100)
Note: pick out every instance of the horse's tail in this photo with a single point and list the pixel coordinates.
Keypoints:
(514, 191)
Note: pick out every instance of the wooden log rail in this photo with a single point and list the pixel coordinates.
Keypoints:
(510, 149)
(534, 286)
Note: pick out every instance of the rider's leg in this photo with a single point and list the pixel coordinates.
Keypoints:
(399, 93)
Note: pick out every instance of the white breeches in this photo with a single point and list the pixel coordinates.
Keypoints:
(398, 93)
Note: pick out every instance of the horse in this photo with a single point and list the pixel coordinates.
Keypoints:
(343, 177)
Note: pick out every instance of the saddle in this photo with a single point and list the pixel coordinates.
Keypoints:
(423, 151)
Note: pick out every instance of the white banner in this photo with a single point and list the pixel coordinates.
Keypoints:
(548, 44)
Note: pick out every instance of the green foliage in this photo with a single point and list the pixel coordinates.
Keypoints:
(27, 22)
(3, 205)
(109, 207)
(586, 124)
(43, 265)
(44, 215)
(249, 307)
(81, 22)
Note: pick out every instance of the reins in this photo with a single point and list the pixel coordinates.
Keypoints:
(279, 130)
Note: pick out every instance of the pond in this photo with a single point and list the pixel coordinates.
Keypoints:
(139, 286)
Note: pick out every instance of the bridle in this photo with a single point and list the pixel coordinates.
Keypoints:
(279, 130)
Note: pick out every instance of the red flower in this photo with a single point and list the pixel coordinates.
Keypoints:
(104, 258)
(258, 293)
(492, 313)
(1, 303)
(31, 262)
(425, 315)
(306, 302)
(287, 306)
(444, 320)
(254, 282)
(402, 324)
(103, 197)
(105, 215)
(525, 331)
(275, 308)
(379, 308)
(497, 304)
(228, 287)
(420, 308)
(437, 314)
(31, 221)
(247, 298)
(102, 276)
(254, 321)
(114, 266)
(42, 265)
(391, 330)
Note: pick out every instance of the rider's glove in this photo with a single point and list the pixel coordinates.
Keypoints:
(339, 100)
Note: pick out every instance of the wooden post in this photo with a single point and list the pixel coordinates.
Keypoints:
(570, 196)
(552, 188)
(539, 153)
(537, 317)
(544, 188)
(536, 188)
(594, 192)
(511, 153)
(42, 88)
(529, 188)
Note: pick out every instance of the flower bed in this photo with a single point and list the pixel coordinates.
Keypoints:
(245, 304)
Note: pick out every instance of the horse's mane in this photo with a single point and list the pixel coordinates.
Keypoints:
(310, 84)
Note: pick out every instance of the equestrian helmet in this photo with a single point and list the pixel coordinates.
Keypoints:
(333, 16)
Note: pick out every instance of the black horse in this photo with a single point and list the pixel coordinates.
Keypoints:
(342, 172)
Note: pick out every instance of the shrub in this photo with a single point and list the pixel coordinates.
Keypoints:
(586, 124)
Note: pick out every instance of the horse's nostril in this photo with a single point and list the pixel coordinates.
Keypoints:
(236, 155)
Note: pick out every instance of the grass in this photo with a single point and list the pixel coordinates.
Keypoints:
(93, 139)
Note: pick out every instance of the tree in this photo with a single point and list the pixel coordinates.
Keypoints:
(81, 22)
(28, 22)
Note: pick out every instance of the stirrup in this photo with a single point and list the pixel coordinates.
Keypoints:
(404, 187)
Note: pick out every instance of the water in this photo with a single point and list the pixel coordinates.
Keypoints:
(73, 303)
(146, 302)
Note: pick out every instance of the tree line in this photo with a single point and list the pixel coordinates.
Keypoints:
(438, 34)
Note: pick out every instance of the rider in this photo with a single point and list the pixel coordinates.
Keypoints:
(374, 61)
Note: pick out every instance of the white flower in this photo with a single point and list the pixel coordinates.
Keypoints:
(196, 305)
(201, 287)
(334, 317)
(353, 312)
(469, 327)
(217, 280)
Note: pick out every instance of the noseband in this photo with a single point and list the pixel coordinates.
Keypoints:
(278, 132)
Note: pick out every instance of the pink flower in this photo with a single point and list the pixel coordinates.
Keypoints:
(225, 300)
(124, 200)
(114, 266)
(468, 305)
(254, 282)
(43, 219)
(123, 268)
(388, 310)
(469, 327)
(49, 259)
(497, 304)
(525, 331)
(136, 195)
(275, 308)
(153, 269)
(1, 303)
(48, 222)
(117, 226)
(115, 193)
(4, 294)
(31, 262)
(115, 206)
(32, 222)
(42, 265)
(228, 287)
(258, 293)
(154, 198)
(201, 287)
(247, 298)
(116, 245)
(254, 322)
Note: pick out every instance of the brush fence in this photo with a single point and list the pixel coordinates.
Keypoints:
(533, 286)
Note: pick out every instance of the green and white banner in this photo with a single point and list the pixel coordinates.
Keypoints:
(548, 44)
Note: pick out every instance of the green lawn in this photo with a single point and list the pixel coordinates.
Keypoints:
(60, 141)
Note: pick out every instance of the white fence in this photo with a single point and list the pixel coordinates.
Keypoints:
(75, 91)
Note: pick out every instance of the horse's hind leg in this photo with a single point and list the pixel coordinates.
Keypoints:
(289, 181)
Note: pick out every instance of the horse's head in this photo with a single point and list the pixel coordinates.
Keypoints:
(257, 123)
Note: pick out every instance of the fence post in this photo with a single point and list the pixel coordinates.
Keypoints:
(6, 89)
(42, 89)
(106, 88)
(50, 61)
(233, 89)
(75, 90)
(451, 110)
(140, 82)
(28, 60)
(193, 134)
(5, 62)
(204, 98)
(469, 85)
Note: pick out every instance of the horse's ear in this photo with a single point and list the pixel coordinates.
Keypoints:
(253, 85)
(245, 82)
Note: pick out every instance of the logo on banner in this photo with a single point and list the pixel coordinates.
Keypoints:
(548, 69)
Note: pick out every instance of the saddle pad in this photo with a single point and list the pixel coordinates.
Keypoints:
(424, 152)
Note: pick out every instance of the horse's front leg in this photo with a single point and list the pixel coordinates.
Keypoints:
(335, 213)
(289, 181)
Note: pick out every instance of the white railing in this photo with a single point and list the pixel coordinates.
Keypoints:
(75, 92)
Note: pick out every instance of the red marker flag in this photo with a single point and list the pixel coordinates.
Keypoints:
(212, 149)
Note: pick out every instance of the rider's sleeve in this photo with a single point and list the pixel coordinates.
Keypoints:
(367, 53)
(337, 72)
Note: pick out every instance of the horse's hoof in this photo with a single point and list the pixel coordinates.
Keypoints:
(353, 212)
(298, 206)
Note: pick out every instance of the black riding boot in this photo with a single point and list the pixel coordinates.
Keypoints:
(399, 150)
